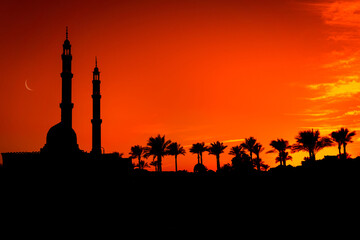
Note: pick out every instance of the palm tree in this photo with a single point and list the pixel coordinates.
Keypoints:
(154, 163)
(279, 145)
(175, 149)
(241, 161)
(283, 157)
(198, 148)
(216, 148)
(157, 147)
(237, 151)
(137, 151)
(311, 142)
(346, 138)
(258, 148)
(249, 145)
(143, 164)
(336, 137)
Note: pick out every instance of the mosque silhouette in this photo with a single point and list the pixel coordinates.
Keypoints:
(61, 150)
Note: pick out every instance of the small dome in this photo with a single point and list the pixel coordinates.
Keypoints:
(61, 138)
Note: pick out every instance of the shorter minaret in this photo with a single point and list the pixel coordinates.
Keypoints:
(96, 120)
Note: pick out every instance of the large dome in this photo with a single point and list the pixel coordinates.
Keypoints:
(61, 139)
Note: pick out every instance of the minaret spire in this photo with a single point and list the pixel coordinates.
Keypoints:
(67, 33)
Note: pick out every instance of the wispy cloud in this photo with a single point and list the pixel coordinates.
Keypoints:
(332, 117)
(234, 140)
(312, 113)
(341, 63)
(343, 16)
(322, 119)
(342, 68)
(345, 87)
(328, 129)
(352, 113)
(341, 13)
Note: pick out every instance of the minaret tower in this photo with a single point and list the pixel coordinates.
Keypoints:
(61, 141)
(66, 105)
(96, 120)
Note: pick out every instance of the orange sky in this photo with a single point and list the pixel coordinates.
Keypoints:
(192, 70)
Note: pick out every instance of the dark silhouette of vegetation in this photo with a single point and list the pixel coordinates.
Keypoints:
(243, 161)
(198, 148)
(216, 148)
(200, 168)
(242, 164)
(226, 169)
(143, 165)
(154, 163)
(336, 137)
(237, 151)
(138, 151)
(346, 138)
(175, 149)
(157, 147)
(283, 156)
(249, 145)
(280, 145)
(258, 148)
(342, 137)
(310, 141)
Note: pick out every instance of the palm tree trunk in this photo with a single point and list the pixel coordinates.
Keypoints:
(313, 156)
(198, 158)
(344, 145)
(139, 158)
(159, 163)
(339, 147)
(218, 162)
(175, 163)
(310, 155)
(201, 158)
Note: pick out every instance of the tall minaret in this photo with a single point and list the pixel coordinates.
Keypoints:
(66, 105)
(96, 120)
(61, 141)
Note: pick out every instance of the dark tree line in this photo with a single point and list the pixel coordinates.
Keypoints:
(307, 140)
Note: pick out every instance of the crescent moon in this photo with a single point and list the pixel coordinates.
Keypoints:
(26, 86)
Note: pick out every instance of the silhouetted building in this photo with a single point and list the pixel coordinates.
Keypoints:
(61, 151)
(61, 139)
(96, 120)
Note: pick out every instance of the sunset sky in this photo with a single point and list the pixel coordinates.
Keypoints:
(196, 71)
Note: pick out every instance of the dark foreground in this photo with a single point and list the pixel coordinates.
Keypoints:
(291, 203)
